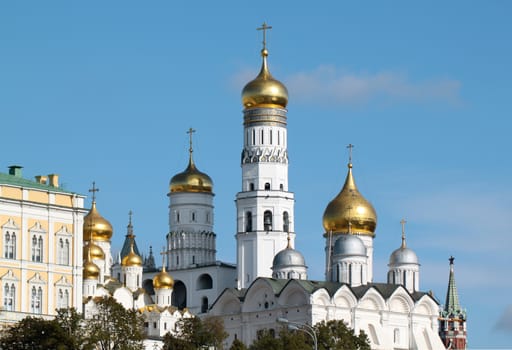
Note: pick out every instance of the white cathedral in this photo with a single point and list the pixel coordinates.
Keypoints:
(269, 280)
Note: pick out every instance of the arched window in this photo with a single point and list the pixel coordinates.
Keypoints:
(60, 299)
(262, 139)
(267, 186)
(36, 300)
(251, 186)
(267, 220)
(9, 297)
(204, 282)
(39, 250)
(248, 221)
(281, 187)
(66, 252)
(286, 222)
(10, 246)
(204, 305)
(34, 247)
(253, 136)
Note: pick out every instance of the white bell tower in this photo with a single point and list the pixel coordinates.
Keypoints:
(265, 207)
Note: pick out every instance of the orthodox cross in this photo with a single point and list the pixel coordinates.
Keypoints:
(190, 132)
(94, 189)
(130, 213)
(403, 222)
(163, 257)
(350, 147)
(451, 260)
(264, 27)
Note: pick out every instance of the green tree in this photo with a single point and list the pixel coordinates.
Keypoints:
(194, 333)
(114, 327)
(74, 326)
(287, 339)
(237, 345)
(335, 335)
(36, 333)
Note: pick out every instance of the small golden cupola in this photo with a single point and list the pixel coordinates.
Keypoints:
(264, 90)
(191, 180)
(132, 259)
(96, 227)
(163, 280)
(94, 250)
(349, 211)
(91, 271)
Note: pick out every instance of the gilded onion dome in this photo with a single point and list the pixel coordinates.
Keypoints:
(349, 211)
(96, 227)
(163, 280)
(91, 271)
(191, 180)
(132, 259)
(94, 251)
(264, 90)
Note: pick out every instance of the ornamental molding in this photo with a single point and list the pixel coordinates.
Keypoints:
(264, 155)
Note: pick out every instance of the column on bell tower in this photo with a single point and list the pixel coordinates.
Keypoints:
(265, 207)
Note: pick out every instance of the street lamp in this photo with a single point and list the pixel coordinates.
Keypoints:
(304, 327)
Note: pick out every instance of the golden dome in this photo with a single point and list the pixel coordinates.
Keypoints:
(350, 208)
(96, 227)
(94, 251)
(91, 271)
(163, 280)
(264, 90)
(191, 180)
(132, 259)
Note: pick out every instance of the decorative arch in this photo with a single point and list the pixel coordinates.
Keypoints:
(372, 300)
(344, 297)
(204, 281)
(179, 295)
(260, 296)
(321, 297)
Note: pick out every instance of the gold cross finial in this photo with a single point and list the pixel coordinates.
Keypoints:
(264, 27)
(350, 147)
(403, 222)
(94, 189)
(190, 132)
(163, 253)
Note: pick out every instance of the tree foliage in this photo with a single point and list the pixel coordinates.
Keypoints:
(331, 335)
(114, 327)
(36, 333)
(335, 335)
(194, 333)
(237, 345)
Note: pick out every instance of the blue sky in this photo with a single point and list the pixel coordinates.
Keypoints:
(105, 91)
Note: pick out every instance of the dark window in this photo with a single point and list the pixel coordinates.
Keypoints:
(204, 305)
(248, 221)
(251, 186)
(286, 222)
(204, 282)
(267, 220)
(267, 186)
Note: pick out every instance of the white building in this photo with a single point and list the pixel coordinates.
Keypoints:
(394, 315)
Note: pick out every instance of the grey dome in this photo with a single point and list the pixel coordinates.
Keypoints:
(349, 245)
(288, 257)
(403, 255)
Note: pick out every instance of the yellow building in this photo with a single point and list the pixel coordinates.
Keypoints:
(41, 239)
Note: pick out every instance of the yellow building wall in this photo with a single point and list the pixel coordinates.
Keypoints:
(64, 200)
(12, 192)
(38, 196)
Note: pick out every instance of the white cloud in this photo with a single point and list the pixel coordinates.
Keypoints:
(328, 84)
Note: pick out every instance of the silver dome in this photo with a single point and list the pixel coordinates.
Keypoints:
(288, 257)
(349, 245)
(403, 255)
